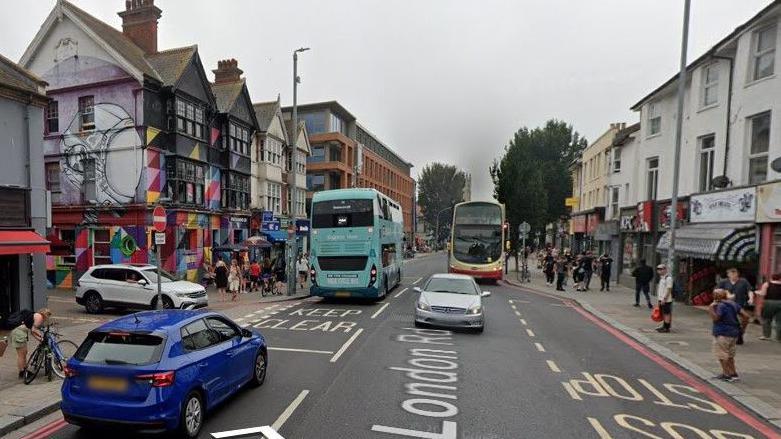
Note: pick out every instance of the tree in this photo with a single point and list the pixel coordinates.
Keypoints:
(532, 178)
(440, 186)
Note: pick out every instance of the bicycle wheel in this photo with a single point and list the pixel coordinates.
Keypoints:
(63, 351)
(33, 365)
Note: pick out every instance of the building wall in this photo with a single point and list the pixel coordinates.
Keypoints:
(626, 178)
(380, 174)
(595, 165)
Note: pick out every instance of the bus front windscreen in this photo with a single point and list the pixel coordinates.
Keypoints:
(342, 213)
(477, 234)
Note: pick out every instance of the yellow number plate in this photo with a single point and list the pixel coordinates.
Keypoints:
(342, 294)
(107, 384)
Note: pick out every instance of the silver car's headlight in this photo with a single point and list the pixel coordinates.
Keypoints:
(423, 306)
(182, 294)
(477, 309)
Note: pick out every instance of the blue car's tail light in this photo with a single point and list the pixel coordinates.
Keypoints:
(160, 379)
(70, 372)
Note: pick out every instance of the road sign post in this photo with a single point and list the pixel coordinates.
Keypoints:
(159, 221)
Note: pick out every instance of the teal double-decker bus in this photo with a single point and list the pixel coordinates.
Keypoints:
(356, 244)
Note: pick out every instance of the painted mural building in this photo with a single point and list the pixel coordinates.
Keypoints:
(129, 126)
(23, 217)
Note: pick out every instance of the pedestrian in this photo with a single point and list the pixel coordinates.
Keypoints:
(739, 289)
(664, 296)
(27, 323)
(254, 272)
(588, 269)
(234, 280)
(729, 321)
(561, 273)
(221, 278)
(771, 308)
(605, 268)
(245, 277)
(643, 275)
(548, 268)
(302, 268)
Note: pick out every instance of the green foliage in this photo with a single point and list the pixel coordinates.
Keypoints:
(440, 186)
(532, 178)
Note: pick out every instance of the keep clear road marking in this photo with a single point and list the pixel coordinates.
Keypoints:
(530, 332)
(553, 366)
(513, 306)
(400, 293)
(416, 282)
(517, 313)
(523, 322)
(382, 308)
(539, 347)
(308, 351)
(289, 410)
(346, 345)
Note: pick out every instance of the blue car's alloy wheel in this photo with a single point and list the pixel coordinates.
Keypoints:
(259, 375)
(192, 415)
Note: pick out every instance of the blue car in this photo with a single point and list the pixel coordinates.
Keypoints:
(160, 371)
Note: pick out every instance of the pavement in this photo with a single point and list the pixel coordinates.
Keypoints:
(543, 368)
(687, 345)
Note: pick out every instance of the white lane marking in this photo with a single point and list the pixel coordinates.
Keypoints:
(523, 322)
(308, 351)
(400, 293)
(346, 345)
(266, 431)
(539, 347)
(240, 319)
(517, 313)
(289, 410)
(382, 308)
(552, 365)
(530, 332)
(416, 282)
(513, 306)
(571, 391)
(249, 316)
(518, 301)
(603, 434)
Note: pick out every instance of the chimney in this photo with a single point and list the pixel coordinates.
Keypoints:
(227, 71)
(139, 23)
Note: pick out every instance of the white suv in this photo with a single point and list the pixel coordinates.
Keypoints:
(135, 286)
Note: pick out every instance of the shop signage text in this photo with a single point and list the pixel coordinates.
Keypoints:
(769, 203)
(728, 206)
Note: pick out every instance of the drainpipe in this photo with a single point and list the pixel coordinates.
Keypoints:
(27, 158)
(729, 109)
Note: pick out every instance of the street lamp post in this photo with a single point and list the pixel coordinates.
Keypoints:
(678, 128)
(436, 231)
(292, 242)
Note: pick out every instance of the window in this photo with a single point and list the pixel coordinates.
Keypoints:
(707, 158)
(710, 85)
(614, 193)
(69, 237)
(315, 122)
(616, 160)
(101, 247)
(763, 52)
(235, 191)
(318, 155)
(272, 151)
(120, 348)
(315, 182)
(301, 163)
(759, 131)
(335, 153)
(238, 139)
(88, 189)
(190, 119)
(300, 202)
(274, 197)
(197, 335)
(53, 181)
(186, 181)
(52, 117)
(654, 119)
(223, 328)
(87, 112)
(653, 178)
(337, 124)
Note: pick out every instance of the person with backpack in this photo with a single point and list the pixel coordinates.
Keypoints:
(729, 321)
(26, 323)
(643, 275)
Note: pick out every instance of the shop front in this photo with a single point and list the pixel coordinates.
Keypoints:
(721, 234)
(768, 220)
(577, 227)
(637, 239)
(609, 242)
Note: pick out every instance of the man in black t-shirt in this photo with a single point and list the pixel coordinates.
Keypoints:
(605, 267)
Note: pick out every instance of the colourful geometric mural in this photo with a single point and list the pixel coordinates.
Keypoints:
(213, 188)
(155, 178)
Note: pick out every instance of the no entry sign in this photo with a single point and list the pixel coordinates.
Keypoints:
(159, 219)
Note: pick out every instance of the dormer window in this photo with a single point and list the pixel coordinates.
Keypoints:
(190, 119)
(238, 139)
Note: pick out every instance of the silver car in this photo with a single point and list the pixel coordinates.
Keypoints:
(453, 300)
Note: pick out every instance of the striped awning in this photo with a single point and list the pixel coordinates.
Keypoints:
(723, 241)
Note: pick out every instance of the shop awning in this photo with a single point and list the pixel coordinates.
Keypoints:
(15, 242)
(722, 241)
(275, 235)
(256, 241)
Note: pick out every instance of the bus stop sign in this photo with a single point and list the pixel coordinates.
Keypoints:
(524, 228)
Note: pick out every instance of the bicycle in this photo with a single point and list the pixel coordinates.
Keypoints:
(524, 275)
(51, 354)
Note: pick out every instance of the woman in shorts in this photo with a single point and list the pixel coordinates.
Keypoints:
(31, 325)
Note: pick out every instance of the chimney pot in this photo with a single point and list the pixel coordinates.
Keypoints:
(227, 71)
(139, 23)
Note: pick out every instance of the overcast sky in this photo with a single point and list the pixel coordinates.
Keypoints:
(445, 80)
